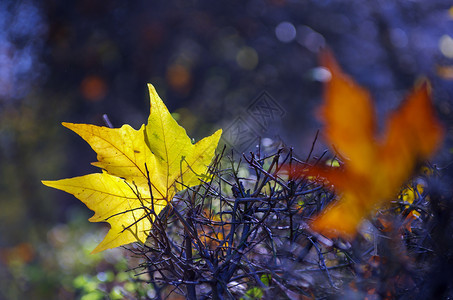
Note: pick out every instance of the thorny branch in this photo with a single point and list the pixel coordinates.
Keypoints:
(245, 229)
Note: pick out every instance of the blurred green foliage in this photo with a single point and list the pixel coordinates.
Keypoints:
(61, 266)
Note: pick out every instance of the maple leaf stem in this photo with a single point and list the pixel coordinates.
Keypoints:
(107, 122)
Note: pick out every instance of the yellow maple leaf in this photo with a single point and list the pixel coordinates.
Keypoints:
(159, 155)
(376, 166)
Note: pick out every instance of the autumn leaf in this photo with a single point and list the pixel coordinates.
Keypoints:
(375, 166)
(212, 232)
(141, 172)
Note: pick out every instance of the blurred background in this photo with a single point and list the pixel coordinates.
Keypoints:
(247, 66)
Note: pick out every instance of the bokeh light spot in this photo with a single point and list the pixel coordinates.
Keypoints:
(179, 77)
(285, 32)
(310, 39)
(445, 72)
(321, 74)
(446, 45)
(93, 88)
(247, 58)
(398, 37)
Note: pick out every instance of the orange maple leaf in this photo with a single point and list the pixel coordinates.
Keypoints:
(375, 165)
